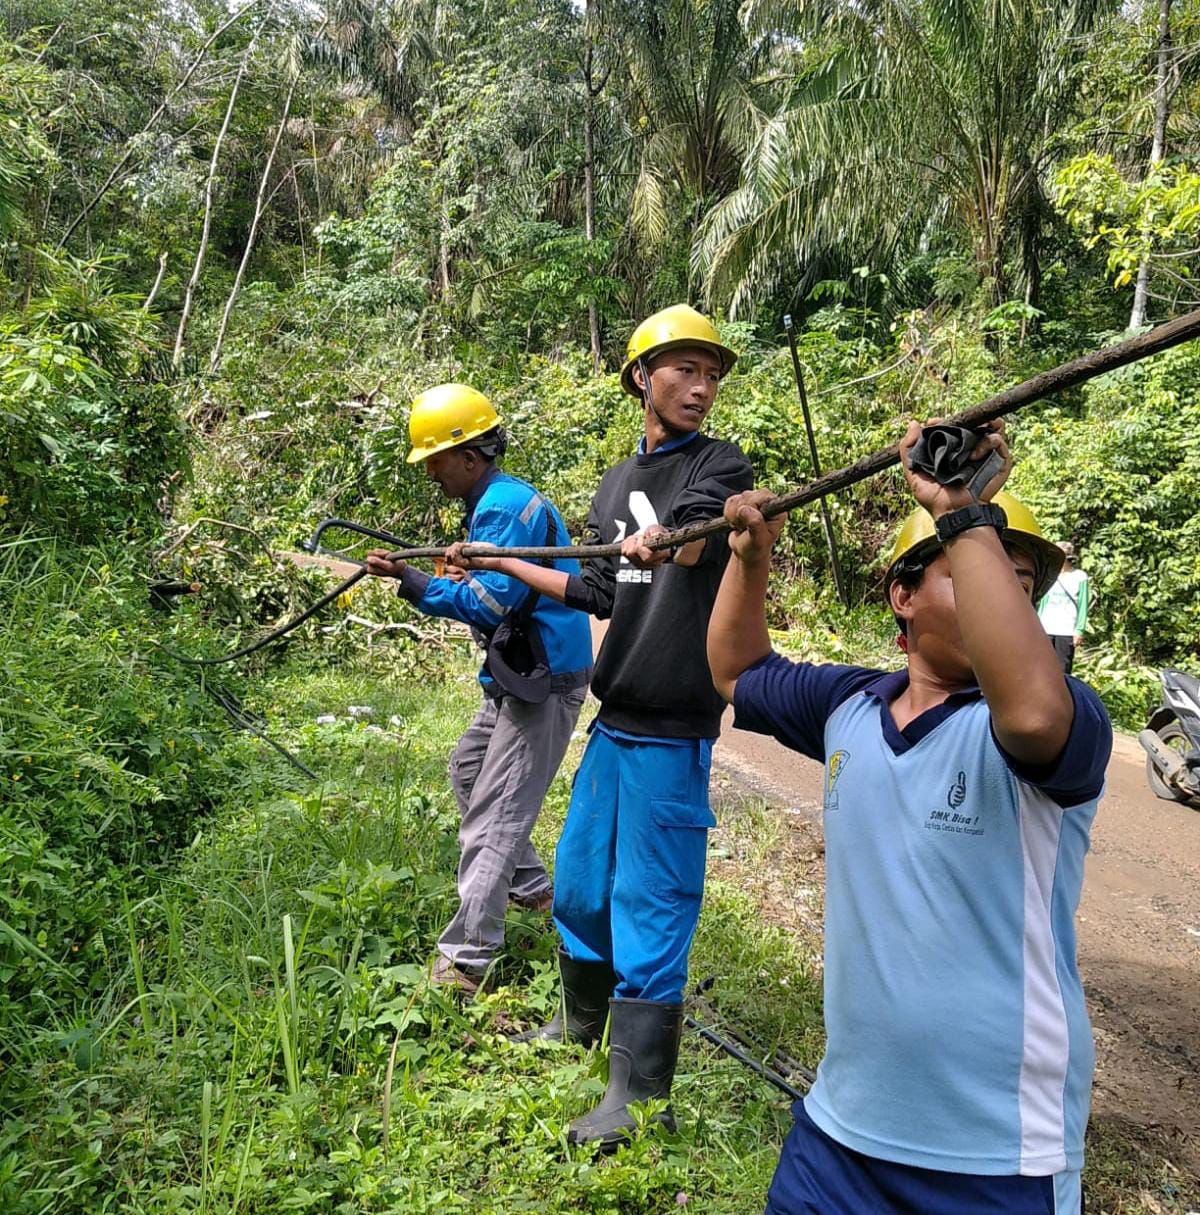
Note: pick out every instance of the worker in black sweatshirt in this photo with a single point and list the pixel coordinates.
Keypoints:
(629, 870)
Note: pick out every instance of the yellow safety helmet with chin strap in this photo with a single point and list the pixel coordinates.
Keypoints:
(673, 327)
(917, 544)
(445, 416)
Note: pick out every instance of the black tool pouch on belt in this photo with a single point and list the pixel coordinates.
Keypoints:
(944, 453)
(516, 655)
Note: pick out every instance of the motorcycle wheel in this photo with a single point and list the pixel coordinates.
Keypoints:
(1172, 736)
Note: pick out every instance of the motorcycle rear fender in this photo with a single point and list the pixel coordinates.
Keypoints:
(1160, 717)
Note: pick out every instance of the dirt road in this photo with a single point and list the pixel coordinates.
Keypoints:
(1139, 932)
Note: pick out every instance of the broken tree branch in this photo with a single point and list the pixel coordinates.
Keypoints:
(132, 144)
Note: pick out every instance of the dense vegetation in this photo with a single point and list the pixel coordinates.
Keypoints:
(233, 243)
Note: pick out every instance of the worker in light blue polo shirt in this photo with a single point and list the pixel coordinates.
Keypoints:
(959, 794)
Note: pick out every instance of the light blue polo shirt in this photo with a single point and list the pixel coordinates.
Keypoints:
(958, 1037)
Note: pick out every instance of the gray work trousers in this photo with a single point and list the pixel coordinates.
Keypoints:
(500, 772)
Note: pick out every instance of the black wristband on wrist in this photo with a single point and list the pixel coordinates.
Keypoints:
(978, 514)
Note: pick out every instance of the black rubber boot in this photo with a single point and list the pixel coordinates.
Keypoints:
(586, 988)
(643, 1043)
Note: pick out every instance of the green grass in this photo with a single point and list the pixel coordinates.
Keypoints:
(265, 1039)
(234, 1018)
(1130, 1171)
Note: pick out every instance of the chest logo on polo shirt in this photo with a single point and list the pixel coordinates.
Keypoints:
(833, 769)
(958, 792)
(955, 820)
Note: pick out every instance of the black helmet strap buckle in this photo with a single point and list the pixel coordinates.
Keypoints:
(492, 445)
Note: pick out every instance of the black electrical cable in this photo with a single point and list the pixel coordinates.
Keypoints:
(313, 545)
(236, 713)
(275, 634)
(1044, 384)
(767, 1073)
(743, 1043)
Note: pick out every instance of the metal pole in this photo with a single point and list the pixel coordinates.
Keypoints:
(1044, 384)
(826, 523)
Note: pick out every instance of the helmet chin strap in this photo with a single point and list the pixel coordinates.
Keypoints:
(495, 446)
(648, 397)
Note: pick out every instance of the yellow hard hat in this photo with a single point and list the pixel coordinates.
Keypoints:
(917, 542)
(448, 415)
(678, 325)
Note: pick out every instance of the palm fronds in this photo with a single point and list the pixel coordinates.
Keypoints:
(897, 111)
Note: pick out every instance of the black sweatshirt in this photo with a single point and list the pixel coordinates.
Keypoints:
(652, 673)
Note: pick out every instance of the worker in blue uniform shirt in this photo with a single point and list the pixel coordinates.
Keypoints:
(504, 763)
(629, 869)
(959, 794)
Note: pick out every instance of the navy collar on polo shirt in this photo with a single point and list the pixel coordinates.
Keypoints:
(887, 687)
(669, 445)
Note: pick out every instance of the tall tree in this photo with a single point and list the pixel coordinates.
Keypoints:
(690, 80)
(209, 194)
(594, 82)
(382, 47)
(260, 202)
(902, 118)
(137, 143)
(1158, 146)
(24, 90)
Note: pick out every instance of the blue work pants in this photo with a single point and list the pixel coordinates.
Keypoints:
(629, 870)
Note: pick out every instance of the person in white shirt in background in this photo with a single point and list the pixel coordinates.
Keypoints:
(1064, 608)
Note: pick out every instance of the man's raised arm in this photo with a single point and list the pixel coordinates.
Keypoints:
(1007, 647)
(737, 629)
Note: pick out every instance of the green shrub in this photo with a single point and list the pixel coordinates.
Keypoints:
(1121, 478)
(88, 434)
(110, 755)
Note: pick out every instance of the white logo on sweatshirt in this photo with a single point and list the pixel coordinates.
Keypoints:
(644, 515)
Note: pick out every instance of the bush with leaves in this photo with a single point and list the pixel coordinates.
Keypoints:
(1155, 220)
(88, 431)
(24, 90)
(109, 753)
(1121, 478)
